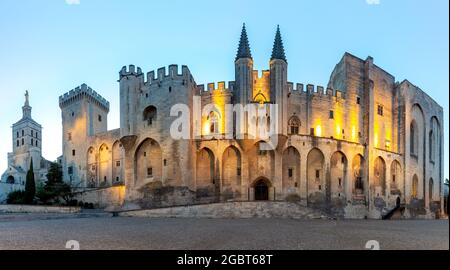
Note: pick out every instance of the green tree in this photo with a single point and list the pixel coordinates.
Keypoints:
(30, 185)
(54, 187)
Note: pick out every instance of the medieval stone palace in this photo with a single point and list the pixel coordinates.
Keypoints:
(355, 148)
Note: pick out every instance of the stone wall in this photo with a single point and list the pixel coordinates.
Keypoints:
(38, 209)
(232, 210)
(103, 197)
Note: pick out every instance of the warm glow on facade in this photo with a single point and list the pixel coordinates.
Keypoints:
(338, 131)
(318, 131)
(261, 86)
(353, 133)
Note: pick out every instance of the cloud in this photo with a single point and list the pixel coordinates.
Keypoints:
(373, 2)
(73, 2)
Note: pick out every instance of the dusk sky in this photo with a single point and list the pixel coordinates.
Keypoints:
(50, 47)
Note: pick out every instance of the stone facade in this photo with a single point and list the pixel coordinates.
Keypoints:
(352, 149)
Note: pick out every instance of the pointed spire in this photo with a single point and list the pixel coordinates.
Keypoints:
(244, 47)
(278, 48)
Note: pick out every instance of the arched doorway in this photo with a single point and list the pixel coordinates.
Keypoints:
(379, 183)
(118, 165)
(206, 184)
(231, 164)
(104, 165)
(315, 171)
(91, 168)
(291, 170)
(148, 162)
(338, 171)
(261, 187)
(10, 180)
(358, 176)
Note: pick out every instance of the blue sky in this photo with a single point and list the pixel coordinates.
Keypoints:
(50, 47)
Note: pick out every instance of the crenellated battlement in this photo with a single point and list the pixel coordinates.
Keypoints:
(81, 92)
(211, 88)
(170, 73)
(131, 70)
(313, 90)
(264, 74)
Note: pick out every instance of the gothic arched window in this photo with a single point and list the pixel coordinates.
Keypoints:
(413, 133)
(150, 114)
(431, 146)
(213, 123)
(294, 125)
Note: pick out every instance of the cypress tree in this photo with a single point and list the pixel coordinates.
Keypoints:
(30, 185)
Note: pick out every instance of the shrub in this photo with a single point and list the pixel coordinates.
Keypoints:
(16, 197)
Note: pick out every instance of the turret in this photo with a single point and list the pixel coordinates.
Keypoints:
(278, 81)
(243, 71)
(131, 81)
